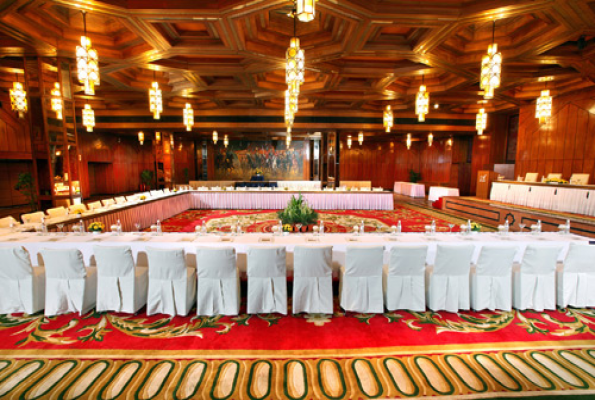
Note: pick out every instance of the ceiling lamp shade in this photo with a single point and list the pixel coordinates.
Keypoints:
(157, 136)
(155, 100)
(408, 141)
(491, 69)
(57, 100)
(88, 118)
(141, 137)
(543, 108)
(188, 117)
(481, 121)
(18, 99)
(360, 138)
(87, 62)
(295, 63)
(430, 139)
(422, 103)
(305, 10)
(349, 142)
(215, 137)
(291, 102)
(225, 141)
(388, 119)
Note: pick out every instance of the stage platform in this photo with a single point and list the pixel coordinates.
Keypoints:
(495, 213)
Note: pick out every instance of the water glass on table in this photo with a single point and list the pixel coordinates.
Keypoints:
(137, 228)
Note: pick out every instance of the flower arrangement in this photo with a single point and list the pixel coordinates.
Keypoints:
(556, 180)
(297, 212)
(78, 211)
(257, 171)
(96, 227)
(475, 227)
(175, 190)
(142, 197)
(287, 228)
(286, 188)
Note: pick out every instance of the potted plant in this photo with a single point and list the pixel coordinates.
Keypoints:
(26, 185)
(96, 227)
(298, 212)
(146, 177)
(414, 177)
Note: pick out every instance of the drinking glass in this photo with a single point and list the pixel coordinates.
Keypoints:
(450, 226)
(521, 227)
(137, 228)
(60, 229)
(299, 228)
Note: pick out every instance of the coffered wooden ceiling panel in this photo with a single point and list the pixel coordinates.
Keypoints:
(360, 54)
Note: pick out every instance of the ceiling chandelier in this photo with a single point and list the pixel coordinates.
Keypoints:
(291, 102)
(288, 137)
(141, 137)
(57, 100)
(155, 100)
(157, 136)
(481, 121)
(215, 137)
(18, 98)
(188, 117)
(88, 118)
(294, 67)
(349, 142)
(388, 119)
(449, 142)
(408, 141)
(360, 138)
(171, 140)
(225, 141)
(543, 107)
(491, 69)
(87, 62)
(430, 139)
(422, 102)
(305, 10)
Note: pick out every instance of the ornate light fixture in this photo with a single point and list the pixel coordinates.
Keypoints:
(295, 63)
(87, 62)
(430, 139)
(157, 136)
(291, 102)
(449, 142)
(18, 98)
(481, 121)
(388, 119)
(188, 117)
(543, 107)
(422, 102)
(88, 118)
(408, 141)
(155, 99)
(57, 100)
(289, 117)
(305, 10)
(360, 138)
(491, 69)
(141, 137)
(288, 137)
(225, 141)
(349, 142)
(215, 137)
(171, 140)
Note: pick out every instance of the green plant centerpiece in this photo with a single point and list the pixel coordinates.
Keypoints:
(147, 177)
(26, 185)
(298, 212)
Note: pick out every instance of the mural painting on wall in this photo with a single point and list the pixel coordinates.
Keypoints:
(241, 159)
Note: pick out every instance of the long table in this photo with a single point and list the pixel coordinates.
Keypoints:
(563, 198)
(410, 189)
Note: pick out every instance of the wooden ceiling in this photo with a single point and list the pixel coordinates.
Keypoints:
(360, 54)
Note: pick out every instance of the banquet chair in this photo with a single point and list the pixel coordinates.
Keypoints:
(404, 283)
(360, 285)
(74, 207)
(576, 280)
(108, 202)
(120, 200)
(448, 281)
(32, 218)
(95, 205)
(531, 176)
(70, 286)
(22, 286)
(267, 280)
(56, 212)
(218, 281)
(121, 286)
(5, 222)
(312, 279)
(579, 179)
(534, 284)
(491, 278)
(172, 285)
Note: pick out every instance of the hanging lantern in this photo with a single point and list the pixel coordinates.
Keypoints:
(289, 117)
(422, 103)
(225, 141)
(291, 102)
(430, 139)
(449, 142)
(288, 138)
(88, 118)
(157, 136)
(360, 138)
(57, 100)
(543, 108)
(18, 99)
(87, 62)
(171, 140)
(349, 142)
(481, 121)
(141, 137)
(188, 117)
(388, 119)
(491, 69)
(215, 137)
(408, 141)
(305, 10)
(155, 100)
(295, 64)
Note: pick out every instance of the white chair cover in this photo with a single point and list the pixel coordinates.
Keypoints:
(218, 287)
(535, 283)
(132, 198)
(267, 280)
(491, 279)
(166, 190)
(531, 176)
(579, 179)
(108, 202)
(554, 175)
(56, 212)
(576, 282)
(22, 287)
(73, 208)
(120, 286)
(448, 283)
(95, 205)
(33, 218)
(312, 279)
(70, 287)
(361, 280)
(172, 285)
(5, 222)
(404, 279)
(120, 200)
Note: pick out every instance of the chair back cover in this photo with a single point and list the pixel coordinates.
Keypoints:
(361, 283)
(496, 260)
(312, 261)
(554, 175)
(5, 222)
(56, 212)
(453, 259)
(166, 264)
(73, 208)
(115, 278)
(64, 263)
(539, 260)
(580, 258)
(216, 262)
(267, 262)
(218, 281)
(580, 179)
(364, 261)
(531, 176)
(21, 290)
(32, 218)
(407, 260)
(94, 205)
(16, 264)
(120, 200)
(312, 279)
(108, 202)
(267, 280)
(114, 261)
(576, 281)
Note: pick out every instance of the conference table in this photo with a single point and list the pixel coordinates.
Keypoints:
(440, 191)
(410, 189)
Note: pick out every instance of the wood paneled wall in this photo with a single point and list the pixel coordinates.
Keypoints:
(566, 144)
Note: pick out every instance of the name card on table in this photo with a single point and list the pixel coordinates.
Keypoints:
(226, 239)
(266, 239)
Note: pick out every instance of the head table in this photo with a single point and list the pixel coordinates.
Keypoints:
(138, 242)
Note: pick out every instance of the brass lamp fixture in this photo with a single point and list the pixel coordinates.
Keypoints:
(481, 121)
(543, 107)
(360, 138)
(408, 142)
(422, 102)
(157, 136)
(491, 69)
(215, 137)
(349, 142)
(57, 100)
(388, 119)
(188, 117)
(87, 62)
(155, 99)
(225, 141)
(430, 139)
(18, 98)
(141, 137)
(88, 118)
(306, 10)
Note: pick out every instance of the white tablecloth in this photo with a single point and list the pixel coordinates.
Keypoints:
(410, 189)
(439, 191)
(300, 185)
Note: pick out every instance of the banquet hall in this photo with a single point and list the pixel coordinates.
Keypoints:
(297, 199)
